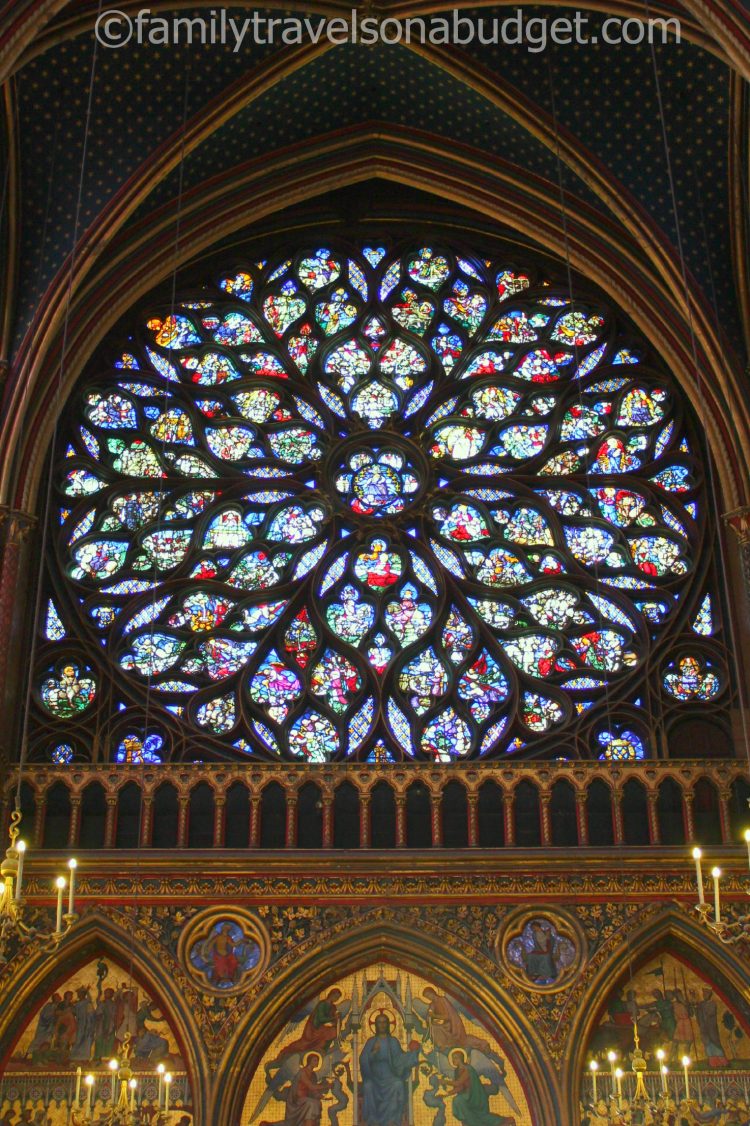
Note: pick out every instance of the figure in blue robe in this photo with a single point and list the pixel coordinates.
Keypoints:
(385, 1069)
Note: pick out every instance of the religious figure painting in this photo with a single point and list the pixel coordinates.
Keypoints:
(677, 1011)
(226, 955)
(99, 1013)
(223, 949)
(385, 1048)
(541, 952)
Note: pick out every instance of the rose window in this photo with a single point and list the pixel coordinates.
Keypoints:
(375, 505)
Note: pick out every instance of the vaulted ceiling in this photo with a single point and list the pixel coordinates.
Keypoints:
(594, 127)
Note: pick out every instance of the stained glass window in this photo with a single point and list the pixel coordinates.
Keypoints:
(378, 503)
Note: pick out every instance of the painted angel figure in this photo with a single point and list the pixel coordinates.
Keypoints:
(321, 1034)
(442, 1020)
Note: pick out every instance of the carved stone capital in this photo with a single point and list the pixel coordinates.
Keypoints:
(18, 525)
(739, 521)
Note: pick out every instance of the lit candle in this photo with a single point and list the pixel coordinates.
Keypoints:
(160, 1072)
(618, 1077)
(60, 885)
(72, 865)
(78, 1086)
(20, 848)
(685, 1066)
(612, 1056)
(89, 1081)
(660, 1056)
(593, 1067)
(716, 873)
(167, 1082)
(113, 1066)
(133, 1084)
(664, 1073)
(747, 842)
(697, 854)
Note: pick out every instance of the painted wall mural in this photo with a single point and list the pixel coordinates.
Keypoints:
(682, 1015)
(99, 1013)
(385, 1048)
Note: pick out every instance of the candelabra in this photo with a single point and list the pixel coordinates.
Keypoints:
(121, 1108)
(13, 905)
(640, 1098)
(732, 931)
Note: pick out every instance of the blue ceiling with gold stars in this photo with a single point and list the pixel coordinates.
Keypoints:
(605, 96)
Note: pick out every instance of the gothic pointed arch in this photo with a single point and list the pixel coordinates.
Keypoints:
(354, 955)
(132, 1003)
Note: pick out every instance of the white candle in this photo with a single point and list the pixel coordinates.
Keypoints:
(78, 1086)
(113, 1066)
(89, 1081)
(716, 873)
(60, 885)
(593, 1067)
(72, 865)
(685, 1066)
(612, 1056)
(167, 1082)
(664, 1073)
(133, 1084)
(660, 1056)
(20, 848)
(618, 1077)
(160, 1072)
(697, 854)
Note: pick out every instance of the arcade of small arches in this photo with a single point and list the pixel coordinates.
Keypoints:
(593, 805)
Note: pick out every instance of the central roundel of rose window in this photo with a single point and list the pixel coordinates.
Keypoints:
(381, 505)
(378, 480)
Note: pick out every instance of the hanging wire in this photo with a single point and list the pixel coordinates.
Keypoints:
(711, 472)
(56, 424)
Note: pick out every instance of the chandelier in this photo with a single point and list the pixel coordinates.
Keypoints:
(13, 905)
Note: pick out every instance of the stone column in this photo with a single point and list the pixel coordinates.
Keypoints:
(182, 815)
(400, 820)
(75, 820)
(473, 807)
(219, 803)
(15, 591)
(109, 821)
(254, 832)
(617, 815)
(689, 816)
(545, 797)
(147, 813)
(291, 821)
(436, 820)
(581, 821)
(364, 820)
(327, 800)
(725, 797)
(652, 797)
(510, 829)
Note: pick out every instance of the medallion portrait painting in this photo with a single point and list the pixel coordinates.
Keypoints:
(383, 1047)
(224, 951)
(98, 1014)
(542, 953)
